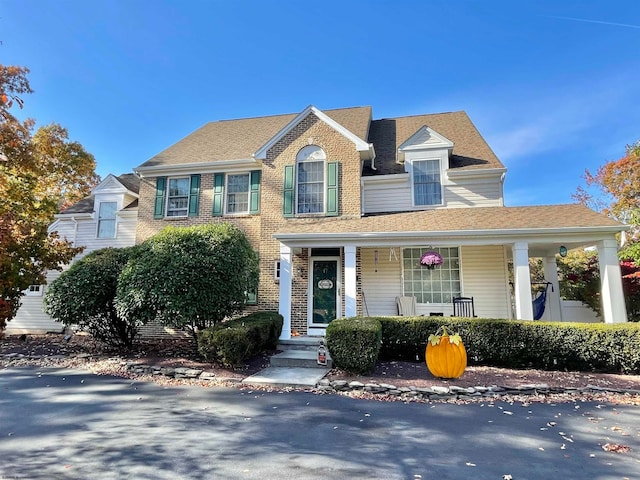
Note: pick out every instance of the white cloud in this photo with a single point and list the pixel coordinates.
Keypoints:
(522, 126)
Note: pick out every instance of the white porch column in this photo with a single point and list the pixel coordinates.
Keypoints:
(553, 294)
(284, 305)
(522, 279)
(350, 282)
(613, 307)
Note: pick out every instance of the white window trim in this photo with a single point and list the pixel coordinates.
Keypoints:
(411, 179)
(402, 272)
(166, 200)
(305, 159)
(276, 271)
(37, 292)
(115, 219)
(226, 194)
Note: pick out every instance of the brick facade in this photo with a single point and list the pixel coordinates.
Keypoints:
(260, 228)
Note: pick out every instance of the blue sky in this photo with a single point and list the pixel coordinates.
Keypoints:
(554, 86)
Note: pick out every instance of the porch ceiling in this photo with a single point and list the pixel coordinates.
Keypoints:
(545, 228)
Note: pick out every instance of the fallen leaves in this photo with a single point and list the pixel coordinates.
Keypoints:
(616, 448)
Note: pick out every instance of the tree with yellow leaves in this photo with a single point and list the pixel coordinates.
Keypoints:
(40, 173)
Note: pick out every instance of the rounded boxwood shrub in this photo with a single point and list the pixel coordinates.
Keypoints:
(233, 341)
(84, 297)
(354, 343)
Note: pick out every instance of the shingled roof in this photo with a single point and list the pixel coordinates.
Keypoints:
(129, 180)
(470, 150)
(546, 217)
(240, 139)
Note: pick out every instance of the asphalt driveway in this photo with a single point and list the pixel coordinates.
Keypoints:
(68, 424)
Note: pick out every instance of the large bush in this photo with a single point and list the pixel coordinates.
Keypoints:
(189, 277)
(521, 344)
(354, 343)
(84, 297)
(232, 342)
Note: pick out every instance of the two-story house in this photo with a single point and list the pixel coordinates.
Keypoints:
(106, 218)
(341, 209)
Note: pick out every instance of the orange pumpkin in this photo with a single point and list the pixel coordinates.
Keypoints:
(445, 355)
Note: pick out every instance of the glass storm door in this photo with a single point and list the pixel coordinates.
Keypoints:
(324, 293)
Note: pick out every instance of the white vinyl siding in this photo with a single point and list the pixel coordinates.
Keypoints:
(395, 195)
(30, 317)
(485, 278)
(381, 283)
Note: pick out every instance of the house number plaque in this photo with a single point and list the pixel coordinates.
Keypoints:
(325, 284)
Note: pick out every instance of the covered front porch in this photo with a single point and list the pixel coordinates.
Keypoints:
(324, 275)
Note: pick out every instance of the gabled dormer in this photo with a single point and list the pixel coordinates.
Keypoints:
(430, 161)
(426, 159)
(425, 139)
(112, 195)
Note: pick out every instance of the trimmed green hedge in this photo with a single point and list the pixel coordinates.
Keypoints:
(232, 342)
(521, 344)
(354, 343)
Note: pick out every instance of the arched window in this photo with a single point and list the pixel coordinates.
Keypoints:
(310, 180)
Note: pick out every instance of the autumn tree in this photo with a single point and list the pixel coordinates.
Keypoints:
(40, 172)
(615, 191)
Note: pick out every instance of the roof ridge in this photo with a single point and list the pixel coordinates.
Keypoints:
(422, 115)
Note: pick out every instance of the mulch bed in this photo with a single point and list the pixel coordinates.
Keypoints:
(81, 350)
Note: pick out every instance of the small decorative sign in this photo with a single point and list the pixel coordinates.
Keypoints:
(563, 251)
(325, 284)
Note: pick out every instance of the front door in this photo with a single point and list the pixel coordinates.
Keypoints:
(324, 292)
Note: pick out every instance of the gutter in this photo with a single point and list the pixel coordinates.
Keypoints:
(198, 167)
(447, 233)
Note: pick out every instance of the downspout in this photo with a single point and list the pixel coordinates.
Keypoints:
(75, 230)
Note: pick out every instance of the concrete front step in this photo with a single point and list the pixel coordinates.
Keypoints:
(300, 343)
(299, 358)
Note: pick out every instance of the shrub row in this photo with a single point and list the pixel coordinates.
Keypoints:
(354, 343)
(232, 342)
(520, 344)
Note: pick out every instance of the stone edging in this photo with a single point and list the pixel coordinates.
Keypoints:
(426, 393)
(335, 386)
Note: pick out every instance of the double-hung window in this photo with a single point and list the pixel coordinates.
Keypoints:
(238, 193)
(107, 219)
(178, 197)
(427, 188)
(437, 285)
(311, 185)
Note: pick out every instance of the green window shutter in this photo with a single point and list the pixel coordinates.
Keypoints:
(194, 195)
(254, 192)
(218, 194)
(332, 189)
(158, 211)
(288, 192)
